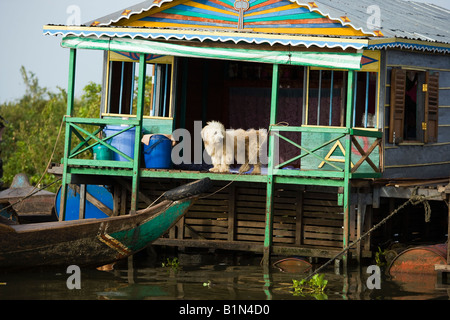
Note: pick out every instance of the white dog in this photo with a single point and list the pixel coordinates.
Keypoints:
(226, 146)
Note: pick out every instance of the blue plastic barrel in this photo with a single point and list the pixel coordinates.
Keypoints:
(100, 193)
(123, 142)
(157, 153)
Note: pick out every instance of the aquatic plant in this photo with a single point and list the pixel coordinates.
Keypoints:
(380, 257)
(314, 287)
(173, 264)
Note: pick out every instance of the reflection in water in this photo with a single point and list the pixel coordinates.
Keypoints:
(207, 277)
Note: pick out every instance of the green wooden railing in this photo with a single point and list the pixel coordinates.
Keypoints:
(75, 125)
(318, 149)
(86, 138)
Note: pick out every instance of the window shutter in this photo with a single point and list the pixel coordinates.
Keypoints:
(431, 106)
(397, 104)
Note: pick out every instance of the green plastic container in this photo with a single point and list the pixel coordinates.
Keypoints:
(101, 152)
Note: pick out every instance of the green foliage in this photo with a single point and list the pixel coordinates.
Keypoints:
(314, 287)
(173, 264)
(380, 257)
(32, 126)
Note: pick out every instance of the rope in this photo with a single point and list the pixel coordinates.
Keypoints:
(417, 199)
(414, 200)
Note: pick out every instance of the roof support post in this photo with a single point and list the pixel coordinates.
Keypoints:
(138, 131)
(67, 140)
(347, 168)
(268, 232)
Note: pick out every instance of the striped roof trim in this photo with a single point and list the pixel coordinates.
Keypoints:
(202, 35)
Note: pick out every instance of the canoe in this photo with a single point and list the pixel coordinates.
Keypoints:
(94, 242)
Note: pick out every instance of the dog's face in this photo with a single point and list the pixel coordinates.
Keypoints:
(213, 133)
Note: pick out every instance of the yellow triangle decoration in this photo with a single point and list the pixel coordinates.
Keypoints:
(329, 158)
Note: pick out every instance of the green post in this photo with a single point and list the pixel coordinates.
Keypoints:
(268, 232)
(347, 169)
(67, 140)
(137, 140)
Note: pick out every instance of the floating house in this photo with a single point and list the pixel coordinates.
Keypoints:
(355, 96)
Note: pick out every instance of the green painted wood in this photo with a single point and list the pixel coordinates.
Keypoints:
(319, 129)
(347, 185)
(309, 173)
(137, 141)
(100, 163)
(104, 121)
(85, 142)
(268, 231)
(67, 139)
(153, 228)
(104, 171)
(310, 141)
(366, 133)
(312, 151)
(308, 181)
(163, 126)
(101, 142)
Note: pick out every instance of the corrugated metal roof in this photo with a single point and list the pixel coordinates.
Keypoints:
(397, 18)
(400, 23)
(127, 13)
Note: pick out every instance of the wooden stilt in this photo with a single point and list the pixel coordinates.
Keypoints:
(82, 201)
(347, 169)
(268, 232)
(67, 140)
(137, 142)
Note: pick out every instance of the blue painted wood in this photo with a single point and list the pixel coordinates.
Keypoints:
(419, 161)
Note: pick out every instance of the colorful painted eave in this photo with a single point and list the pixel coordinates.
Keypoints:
(266, 7)
(202, 35)
(419, 45)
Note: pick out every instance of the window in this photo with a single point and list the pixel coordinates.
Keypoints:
(123, 88)
(327, 98)
(414, 106)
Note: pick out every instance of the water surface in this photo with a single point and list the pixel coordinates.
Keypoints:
(207, 277)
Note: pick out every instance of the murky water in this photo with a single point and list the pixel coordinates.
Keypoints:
(206, 277)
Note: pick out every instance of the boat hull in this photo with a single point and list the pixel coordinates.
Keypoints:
(90, 242)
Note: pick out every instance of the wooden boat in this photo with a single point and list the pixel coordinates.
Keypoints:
(94, 242)
(23, 200)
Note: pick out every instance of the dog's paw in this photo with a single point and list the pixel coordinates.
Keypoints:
(244, 168)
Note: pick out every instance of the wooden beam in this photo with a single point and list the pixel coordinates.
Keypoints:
(268, 232)
(232, 213)
(67, 140)
(82, 190)
(298, 218)
(138, 130)
(347, 168)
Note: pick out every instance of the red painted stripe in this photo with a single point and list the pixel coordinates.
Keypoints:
(296, 21)
(181, 18)
(224, 4)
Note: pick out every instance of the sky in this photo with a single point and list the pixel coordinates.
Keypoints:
(23, 43)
